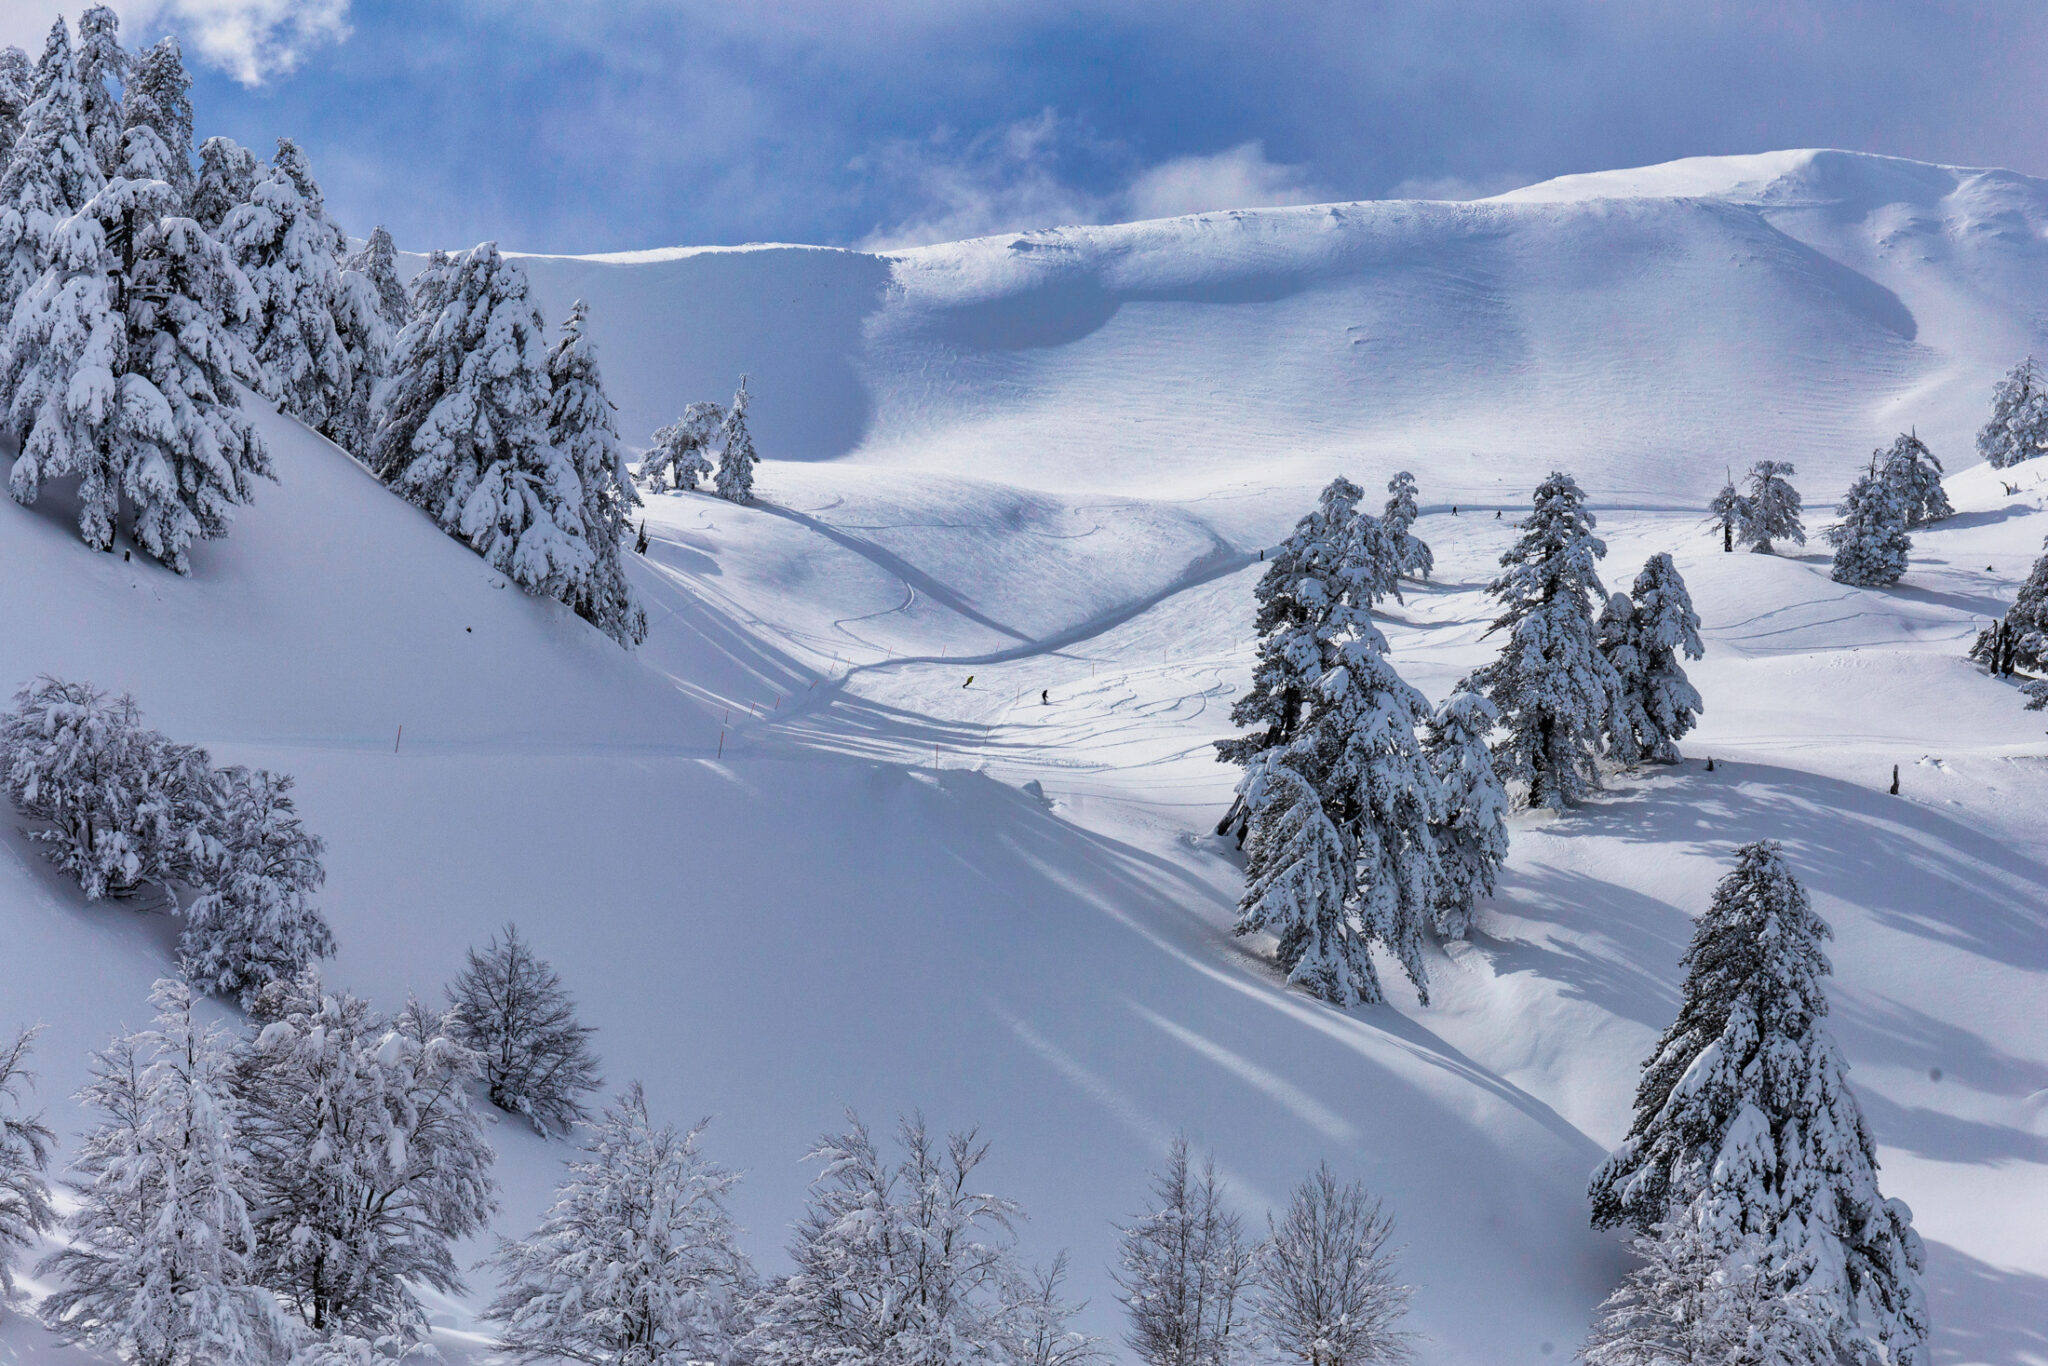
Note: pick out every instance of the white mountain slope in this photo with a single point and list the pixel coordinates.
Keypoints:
(1050, 466)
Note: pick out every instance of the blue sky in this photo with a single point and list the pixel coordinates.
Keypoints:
(596, 125)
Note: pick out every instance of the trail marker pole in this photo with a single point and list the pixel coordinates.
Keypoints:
(401, 737)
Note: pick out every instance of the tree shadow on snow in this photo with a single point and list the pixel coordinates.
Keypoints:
(1984, 1314)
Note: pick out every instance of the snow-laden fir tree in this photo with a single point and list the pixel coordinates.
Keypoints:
(253, 921)
(1184, 1269)
(1359, 751)
(103, 69)
(1411, 555)
(1687, 1301)
(1317, 590)
(898, 1264)
(580, 426)
(121, 805)
(1745, 1124)
(1727, 513)
(366, 1161)
(1327, 1295)
(287, 247)
(17, 78)
(635, 1263)
(679, 452)
(1870, 540)
(158, 1264)
(377, 263)
(1916, 474)
(62, 367)
(511, 1008)
(188, 455)
(1642, 636)
(228, 173)
(2018, 426)
(1551, 686)
(735, 481)
(50, 174)
(2019, 639)
(26, 1213)
(1297, 885)
(1771, 507)
(1472, 836)
(159, 97)
(462, 431)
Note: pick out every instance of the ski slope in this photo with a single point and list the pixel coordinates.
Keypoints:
(819, 843)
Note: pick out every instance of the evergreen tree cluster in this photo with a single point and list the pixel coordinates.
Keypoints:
(1369, 817)
(680, 454)
(506, 441)
(1748, 1176)
(1346, 829)
(2019, 639)
(121, 807)
(1571, 690)
(137, 291)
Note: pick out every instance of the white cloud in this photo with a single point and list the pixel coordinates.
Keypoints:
(1003, 180)
(1010, 179)
(252, 40)
(1458, 187)
(1240, 178)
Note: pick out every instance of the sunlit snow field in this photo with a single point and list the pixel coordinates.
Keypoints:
(820, 842)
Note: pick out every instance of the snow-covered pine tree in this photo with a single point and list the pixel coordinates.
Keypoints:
(1472, 837)
(122, 804)
(735, 481)
(679, 449)
(62, 369)
(288, 249)
(1297, 884)
(50, 174)
(1316, 592)
(159, 97)
(157, 1269)
(1688, 1301)
(1727, 513)
(17, 80)
(1326, 1290)
(580, 426)
(511, 1008)
(1183, 1268)
(635, 1263)
(1642, 636)
(1745, 1124)
(377, 263)
(462, 430)
(1916, 474)
(1552, 687)
(2018, 427)
(228, 173)
(103, 69)
(25, 1145)
(1411, 555)
(898, 1265)
(1871, 544)
(2019, 639)
(1366, 763)
(366, 1161)
(1771, 507)
(253, 921)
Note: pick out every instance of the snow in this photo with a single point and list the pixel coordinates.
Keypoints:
(784, 858)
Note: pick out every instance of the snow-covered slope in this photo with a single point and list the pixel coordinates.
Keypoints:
(785, 855)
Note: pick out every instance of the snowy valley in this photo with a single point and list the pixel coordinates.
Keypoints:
(907, 800)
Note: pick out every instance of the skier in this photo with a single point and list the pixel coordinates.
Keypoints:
(1045, 697)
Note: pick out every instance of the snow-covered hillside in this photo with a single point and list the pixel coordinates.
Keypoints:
(785, 853)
